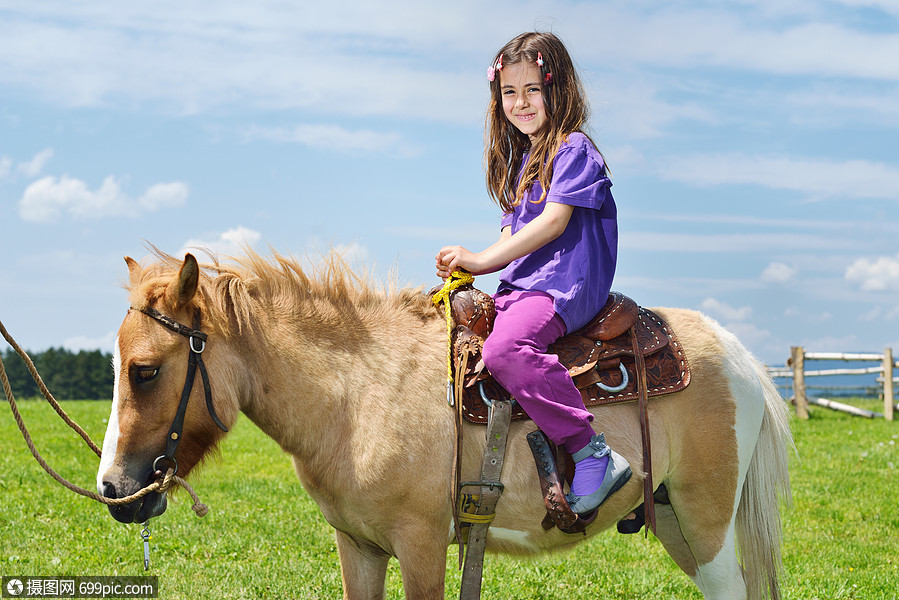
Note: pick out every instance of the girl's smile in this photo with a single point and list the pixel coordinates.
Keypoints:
(522, 94)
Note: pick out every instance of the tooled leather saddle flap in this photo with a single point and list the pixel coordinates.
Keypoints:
(599, 356)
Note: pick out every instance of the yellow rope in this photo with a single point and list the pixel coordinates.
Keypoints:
(455, 280)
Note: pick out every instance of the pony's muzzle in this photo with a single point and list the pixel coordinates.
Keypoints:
(140, 510)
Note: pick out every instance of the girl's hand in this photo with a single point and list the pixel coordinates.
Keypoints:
(451, 258)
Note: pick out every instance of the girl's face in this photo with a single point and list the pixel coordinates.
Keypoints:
(522, 93)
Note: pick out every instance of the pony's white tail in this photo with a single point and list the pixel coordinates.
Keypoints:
(767, 485)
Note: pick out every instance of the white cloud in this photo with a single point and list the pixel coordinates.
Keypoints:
(105, 343)
(34, 167)
(308, 55)
(49, 198)
(353, 252)
(724, 311)
(164, 195)
(340, 139)
(817, 178)
(268, 55)
(778, 273)
(316, 58)
(31, 168)
(690, 37)
(229, 243)
(876, 275)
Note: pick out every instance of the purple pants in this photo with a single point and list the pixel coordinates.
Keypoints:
(516, 355)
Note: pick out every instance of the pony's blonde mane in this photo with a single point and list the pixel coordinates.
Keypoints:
(234, 295)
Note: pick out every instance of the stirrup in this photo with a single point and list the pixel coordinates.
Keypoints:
(618, 472)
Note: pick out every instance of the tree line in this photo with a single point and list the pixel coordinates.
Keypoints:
(85, 375)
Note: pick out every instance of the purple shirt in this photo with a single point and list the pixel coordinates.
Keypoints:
(576, 268)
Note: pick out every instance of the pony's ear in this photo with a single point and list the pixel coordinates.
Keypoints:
(181, 291)
(133, 270)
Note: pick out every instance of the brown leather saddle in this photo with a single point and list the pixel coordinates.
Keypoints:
(625, 353)
(600, 357)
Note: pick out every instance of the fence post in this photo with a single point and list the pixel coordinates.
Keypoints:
(888, 384)
(797, 360)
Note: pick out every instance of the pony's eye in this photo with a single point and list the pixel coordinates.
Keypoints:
(145, 374)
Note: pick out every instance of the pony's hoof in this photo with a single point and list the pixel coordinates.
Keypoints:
(633, 524)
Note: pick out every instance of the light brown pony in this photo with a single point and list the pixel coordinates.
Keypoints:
(350, 380)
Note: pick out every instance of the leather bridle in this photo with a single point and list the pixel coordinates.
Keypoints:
(197, 343)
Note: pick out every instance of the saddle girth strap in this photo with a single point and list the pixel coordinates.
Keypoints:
(649, 504)
(490, 490)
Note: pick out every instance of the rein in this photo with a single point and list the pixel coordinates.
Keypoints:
(162, 483)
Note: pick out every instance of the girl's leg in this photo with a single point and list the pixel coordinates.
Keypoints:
(517, 357)
(516, 353)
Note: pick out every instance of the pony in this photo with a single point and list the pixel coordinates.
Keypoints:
(349, 377)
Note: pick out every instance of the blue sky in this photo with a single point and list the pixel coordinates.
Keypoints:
(753, 146)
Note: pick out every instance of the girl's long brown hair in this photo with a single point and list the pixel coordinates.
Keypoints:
(567, 111)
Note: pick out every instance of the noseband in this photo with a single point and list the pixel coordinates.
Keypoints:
(197, 343)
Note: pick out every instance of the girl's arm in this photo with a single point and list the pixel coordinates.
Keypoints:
(443, 268)
(546, 227)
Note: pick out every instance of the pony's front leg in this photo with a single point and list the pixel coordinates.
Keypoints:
(363, 567)
(421, 553)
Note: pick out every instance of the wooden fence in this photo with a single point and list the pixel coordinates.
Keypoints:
(796, 370)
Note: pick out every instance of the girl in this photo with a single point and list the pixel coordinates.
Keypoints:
(558, 244)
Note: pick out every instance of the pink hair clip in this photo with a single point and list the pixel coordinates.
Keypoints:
(497, 66)
(548, 77)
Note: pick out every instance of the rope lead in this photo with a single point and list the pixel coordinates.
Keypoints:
(161, 485)
(456, 280)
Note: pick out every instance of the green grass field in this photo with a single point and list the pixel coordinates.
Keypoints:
(264, 538)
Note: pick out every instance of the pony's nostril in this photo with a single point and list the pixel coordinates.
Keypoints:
(108, 490)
